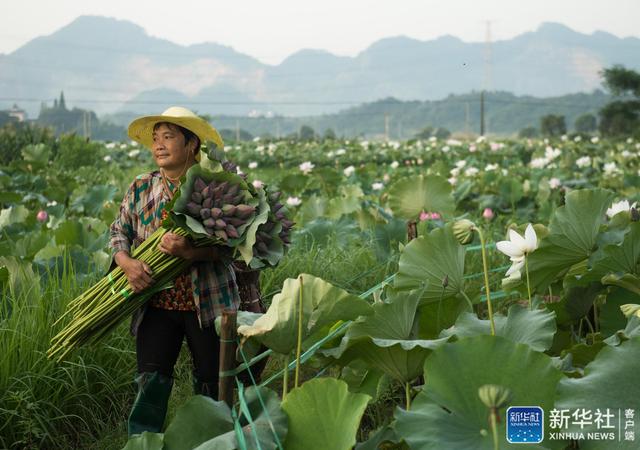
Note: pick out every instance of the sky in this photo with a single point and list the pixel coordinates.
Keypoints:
(272, 30)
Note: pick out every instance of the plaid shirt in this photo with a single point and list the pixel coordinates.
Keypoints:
(214, 284)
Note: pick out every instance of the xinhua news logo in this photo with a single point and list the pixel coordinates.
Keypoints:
(525, 425)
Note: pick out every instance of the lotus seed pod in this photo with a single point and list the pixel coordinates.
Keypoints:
(207, 203)
(199, 184)
(216, 213)
(193, 208)
(221, 234)
(229, 210)
(209, 223)
(197, 197)
(205, 213)
(232, 232)
(494, 396)
(463, 231)
(220, 224)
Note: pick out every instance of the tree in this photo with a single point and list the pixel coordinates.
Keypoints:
(586, 123)
(621, 117)
(425, 133)
(552, 125)
(329, 134)
(306, 133)
(528, 132)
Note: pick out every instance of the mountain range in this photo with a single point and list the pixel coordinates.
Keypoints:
(114, 66)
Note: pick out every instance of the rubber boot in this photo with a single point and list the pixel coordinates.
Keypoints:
(150, 407)
(209, 389)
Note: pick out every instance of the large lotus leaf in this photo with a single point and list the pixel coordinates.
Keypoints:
(13, 214)
(145, 441)
(363, 379)
(36, 153)
(198, 420)
(412, 195)
(388, 339)
(427, 260)
(384, 438)
(632, 329)
(453, 375)
(346, 203)
(323, 414)
(435, 317)
(92, 201)
(268, 424)
(628, 281)
(322, 304)
(609, 382)
(535, 328)
(572, 237)
(262, 215)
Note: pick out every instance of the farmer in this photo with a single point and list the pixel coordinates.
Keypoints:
(189, 308)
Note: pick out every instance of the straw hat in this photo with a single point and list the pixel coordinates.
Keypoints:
(141, 129)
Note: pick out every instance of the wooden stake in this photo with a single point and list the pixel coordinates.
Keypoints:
(228, 334)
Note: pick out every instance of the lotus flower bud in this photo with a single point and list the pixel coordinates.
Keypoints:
(42, 216)
(229, 210)
(199, 185)
(233, 190)
(228, 198)
(205, 213)
(223, 186)
(193, 208)
(220, 224)
(263, 236)
(206, 192)
(216, 213)
(207, 203)
(268, 227)
(275, 196)
(235, 221)
(463, 231)
(494, 396)
(232, 232)
(221, 234)
(209, 230)
(244, 211)
(285, 240)
(209, 223)
(197, 197)
(262, 247)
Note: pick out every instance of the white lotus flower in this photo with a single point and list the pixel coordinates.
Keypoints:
(257, 184)
(583, 161)
(341, 151)
(394, 165)
(619, 207)
(293, 201)
(306, 167)
(253, 165)
(538, 163)
(107, 158)
(460, 164)
(471, 172)
(594, 140)
(554, 183)
(134, 153)
(349, 171)
(491, 167)
(517, 248)
(377, 186)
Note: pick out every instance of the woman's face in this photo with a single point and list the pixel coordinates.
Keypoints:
(169, 148)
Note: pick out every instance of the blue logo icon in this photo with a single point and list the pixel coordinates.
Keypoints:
(525, 425)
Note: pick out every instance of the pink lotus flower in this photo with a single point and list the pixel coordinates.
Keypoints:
(42, 216)
(429, 216)
(488, 213)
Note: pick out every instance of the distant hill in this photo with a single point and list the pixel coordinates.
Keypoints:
(111, 66)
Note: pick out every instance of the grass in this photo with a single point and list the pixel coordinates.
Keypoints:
(84, 402)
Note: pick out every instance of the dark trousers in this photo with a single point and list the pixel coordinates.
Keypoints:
(159, 339)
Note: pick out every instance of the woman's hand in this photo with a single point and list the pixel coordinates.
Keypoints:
(138, 273)
(176, 245)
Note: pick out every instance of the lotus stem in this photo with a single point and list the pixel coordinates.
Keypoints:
(526, 269)
(285, 379)
(485, 266)
(407, 392)
(299, 347)
(494, 429)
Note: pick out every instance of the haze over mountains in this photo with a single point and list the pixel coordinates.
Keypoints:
(110, 65)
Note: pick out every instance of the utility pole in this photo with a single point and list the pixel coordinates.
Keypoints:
(237, 130)
(481, 113)
(386, 127)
